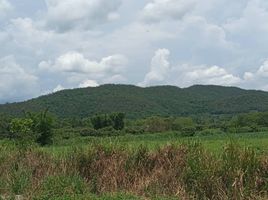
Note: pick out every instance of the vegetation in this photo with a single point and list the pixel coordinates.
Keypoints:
(184, 172)
(115, 120)
(138, 102)
(125, 142)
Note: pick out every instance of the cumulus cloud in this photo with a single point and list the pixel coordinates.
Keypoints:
(263, 70)
(77, 70)
(211, 41)
(161, 72)
(257, 79)
(88, 83)
(159, 68)
(82, 14)
(214, 75)
(159, 10)
(16, 83)
(74, 62)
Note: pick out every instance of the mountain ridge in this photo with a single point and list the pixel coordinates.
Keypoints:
(138, 102)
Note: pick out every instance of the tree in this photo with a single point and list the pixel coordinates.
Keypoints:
(42, 127)
(21, 132)
(4, 126)
(158, 124)
(118, 121)
(101, 121)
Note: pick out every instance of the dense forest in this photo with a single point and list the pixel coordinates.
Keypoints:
(137, 102)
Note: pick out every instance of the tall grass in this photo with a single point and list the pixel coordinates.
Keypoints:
(184, 172)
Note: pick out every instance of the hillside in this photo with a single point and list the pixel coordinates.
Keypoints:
(141, 102)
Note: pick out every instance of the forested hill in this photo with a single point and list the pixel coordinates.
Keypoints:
(139, 102)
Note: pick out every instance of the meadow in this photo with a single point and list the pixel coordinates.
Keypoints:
(214, 143)
(148, 166)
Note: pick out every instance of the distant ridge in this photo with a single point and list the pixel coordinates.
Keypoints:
(139, 102)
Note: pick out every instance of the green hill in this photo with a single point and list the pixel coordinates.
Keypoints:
(139, 102)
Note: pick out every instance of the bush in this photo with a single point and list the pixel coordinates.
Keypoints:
(21, 131)
(188, 131)
(157, 124)
(109, 131)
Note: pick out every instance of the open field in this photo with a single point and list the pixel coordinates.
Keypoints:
(213, 143)
(138, 167)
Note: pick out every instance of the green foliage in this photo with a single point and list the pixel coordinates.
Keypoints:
(4, 126)
(21, 131)
(42, 126)
(139, 102)
(101, 121)
(36, 127)
(157, 124)
(116, 120)
(20, 179)
(62, 186)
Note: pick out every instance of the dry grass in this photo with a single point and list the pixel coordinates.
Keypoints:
(186, 172)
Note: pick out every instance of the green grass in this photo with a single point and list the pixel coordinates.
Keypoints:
(213, 143)
(121, 168)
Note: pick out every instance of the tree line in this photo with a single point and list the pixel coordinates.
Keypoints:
(40, 128)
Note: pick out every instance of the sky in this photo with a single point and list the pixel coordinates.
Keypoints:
(51, 45)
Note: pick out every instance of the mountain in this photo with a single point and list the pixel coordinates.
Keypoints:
(139, 102)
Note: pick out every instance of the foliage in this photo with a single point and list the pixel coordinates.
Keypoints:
(139, 102)
(186, 171)
(21, 131)
(42, 126)
(4, 126)
(116, 120)
(35, 127)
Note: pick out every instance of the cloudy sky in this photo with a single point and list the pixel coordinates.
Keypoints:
(50, 45)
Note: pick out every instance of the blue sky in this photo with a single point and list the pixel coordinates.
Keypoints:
(50, 45)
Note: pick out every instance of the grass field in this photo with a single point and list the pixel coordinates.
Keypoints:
(213, 143)
(161, 166)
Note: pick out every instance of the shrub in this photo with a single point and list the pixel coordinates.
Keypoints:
(109, 131)
(188, 131)
(21, 131)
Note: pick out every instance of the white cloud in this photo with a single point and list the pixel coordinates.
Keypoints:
(82, 14)
(248, 76)
(212, 41)
(257, 79)
(214, 75)
(16, 83)
(88, 83)
(58, 88)
(159, 10)
(74, 62)
(185, 75)
(5, 6)
(159, 69)
(77, 70)
(263, 70)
